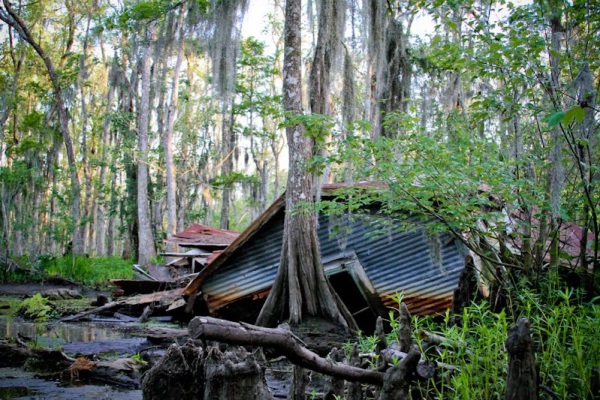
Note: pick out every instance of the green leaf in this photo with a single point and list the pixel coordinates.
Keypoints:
(575, 112)
(555, 119)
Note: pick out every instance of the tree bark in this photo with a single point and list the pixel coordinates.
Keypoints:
(300, 288)
(227, 161)
(398, 378)
(146, 249)
(522, 381)
(168, 136)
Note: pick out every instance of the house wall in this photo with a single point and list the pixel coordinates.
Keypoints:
(425, 270)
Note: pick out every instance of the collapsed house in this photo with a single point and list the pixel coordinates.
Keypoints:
(202, 243)
(368, 256)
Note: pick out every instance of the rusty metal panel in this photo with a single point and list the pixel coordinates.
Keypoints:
(425, 269)
(197, 234)
(251, 268)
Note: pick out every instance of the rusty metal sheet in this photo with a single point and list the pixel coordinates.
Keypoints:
(424, 269)
(197, 234)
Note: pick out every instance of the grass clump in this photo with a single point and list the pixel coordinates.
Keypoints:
(565, 330)
(89, 270)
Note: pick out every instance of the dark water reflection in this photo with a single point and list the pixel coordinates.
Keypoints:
(88, 338)
(57, 334)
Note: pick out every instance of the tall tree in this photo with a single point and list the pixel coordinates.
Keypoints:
(301, 288)
(10, 17)
(168, 132)
(146, 249)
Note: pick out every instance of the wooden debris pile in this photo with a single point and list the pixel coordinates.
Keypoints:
(166, 303)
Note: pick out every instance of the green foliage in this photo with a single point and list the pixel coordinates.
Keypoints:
(566, 117)
(93, 271)
(147, 10)
(36, 307)
(448, 182)
(227, 181)
(137, 358)
(564, 331)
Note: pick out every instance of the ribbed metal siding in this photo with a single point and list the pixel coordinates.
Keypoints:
(250, 269)
(394, 261)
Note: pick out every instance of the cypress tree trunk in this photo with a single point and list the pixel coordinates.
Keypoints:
(301, 288)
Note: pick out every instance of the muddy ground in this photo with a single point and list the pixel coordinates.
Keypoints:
(100, 339)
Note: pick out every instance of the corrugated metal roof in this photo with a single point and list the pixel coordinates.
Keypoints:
(425, 270)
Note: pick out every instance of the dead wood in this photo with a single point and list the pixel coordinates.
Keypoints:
(61, 294)
(96, 310)
(160, 273)
(281, 340)
(433, 338)
(179, 375)
(72, 373)
(146, 313)
(396, 385)
(335, 385)
(467, 289)
(164, 298)
(234, 374)
(189, 372)
(381, 343)
(405, 331)
(522, 381)
(300, 379)
(17, 353)
(354, 389)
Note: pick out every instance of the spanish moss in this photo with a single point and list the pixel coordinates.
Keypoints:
(224, 32)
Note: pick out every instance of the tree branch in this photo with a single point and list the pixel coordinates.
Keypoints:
(281, 340)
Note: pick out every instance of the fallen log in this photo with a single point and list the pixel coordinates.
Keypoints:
(15, 352)
(282, 340)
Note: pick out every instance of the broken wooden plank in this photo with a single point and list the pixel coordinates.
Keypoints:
(165, 297)
(136, 268)
(160, 272)
(179, 262)
(162, 297)
(190, 253)
(105, 307)
(176, 304)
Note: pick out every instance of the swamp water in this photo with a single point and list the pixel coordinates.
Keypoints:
(100, 339)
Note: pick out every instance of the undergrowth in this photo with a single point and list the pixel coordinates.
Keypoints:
(36, 307)
(471, 354)
(89, 271)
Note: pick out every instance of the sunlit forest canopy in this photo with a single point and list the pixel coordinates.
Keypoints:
(122, 122)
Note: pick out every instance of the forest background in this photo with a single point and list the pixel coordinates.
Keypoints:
(124, 121)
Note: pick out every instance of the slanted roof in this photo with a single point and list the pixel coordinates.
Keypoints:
(278, 204)
(373, 248)
(197, 235)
